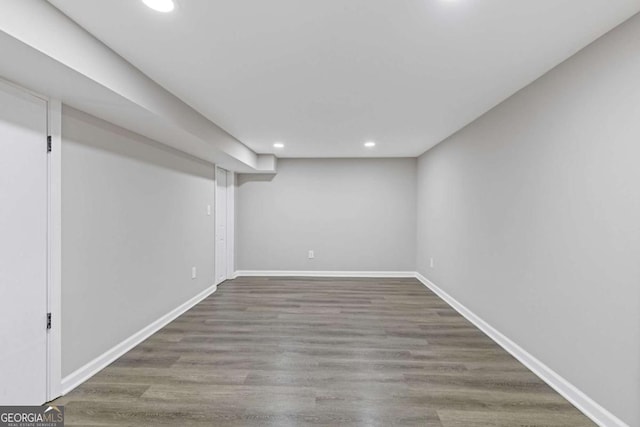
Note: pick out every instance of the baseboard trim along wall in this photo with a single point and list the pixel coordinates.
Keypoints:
(581, 401)
(584, 403)
(82, 374)
(289, 273)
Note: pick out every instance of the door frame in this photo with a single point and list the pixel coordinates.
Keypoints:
(230, 226)
(54, 265)
(54, 237)
(231, 238)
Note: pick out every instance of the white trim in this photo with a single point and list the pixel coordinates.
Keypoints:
(20, 88)
(231, 206)
(289, 273)
(82, 374)
(54, 250)
(217, 213)
(584, 403)
(580, 400)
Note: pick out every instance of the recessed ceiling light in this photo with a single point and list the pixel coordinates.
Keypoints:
(370, 144)
(160, 5)
(278, 145)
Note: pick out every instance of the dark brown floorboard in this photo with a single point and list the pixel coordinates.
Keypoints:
(319, 352)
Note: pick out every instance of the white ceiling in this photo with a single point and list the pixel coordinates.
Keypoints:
(325, 76)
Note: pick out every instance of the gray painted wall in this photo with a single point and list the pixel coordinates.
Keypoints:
(134, 222)
(356, 214)
(532, 216)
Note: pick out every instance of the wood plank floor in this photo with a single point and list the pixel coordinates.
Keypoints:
(331, 352)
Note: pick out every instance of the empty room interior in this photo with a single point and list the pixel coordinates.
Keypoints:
(320, 213)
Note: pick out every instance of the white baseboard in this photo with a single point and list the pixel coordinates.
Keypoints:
(290, 273)
(584, 403)
(82, 374)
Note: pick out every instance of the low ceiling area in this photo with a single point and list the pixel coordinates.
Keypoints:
(324, 77)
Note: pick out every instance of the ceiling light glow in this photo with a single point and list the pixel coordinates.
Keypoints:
(160, 5)
(370, 144)
(278, 145)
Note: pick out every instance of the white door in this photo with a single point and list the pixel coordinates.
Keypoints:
(23, 248)
(221, 225)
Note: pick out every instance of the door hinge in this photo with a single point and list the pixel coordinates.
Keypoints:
(49, 144)
(48, 320)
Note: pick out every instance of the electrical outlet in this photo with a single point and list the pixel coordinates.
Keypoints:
(431, 262)
(311, 255)
(194, 273)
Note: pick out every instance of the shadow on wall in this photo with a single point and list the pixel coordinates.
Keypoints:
(259, 177)
(166, 157)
